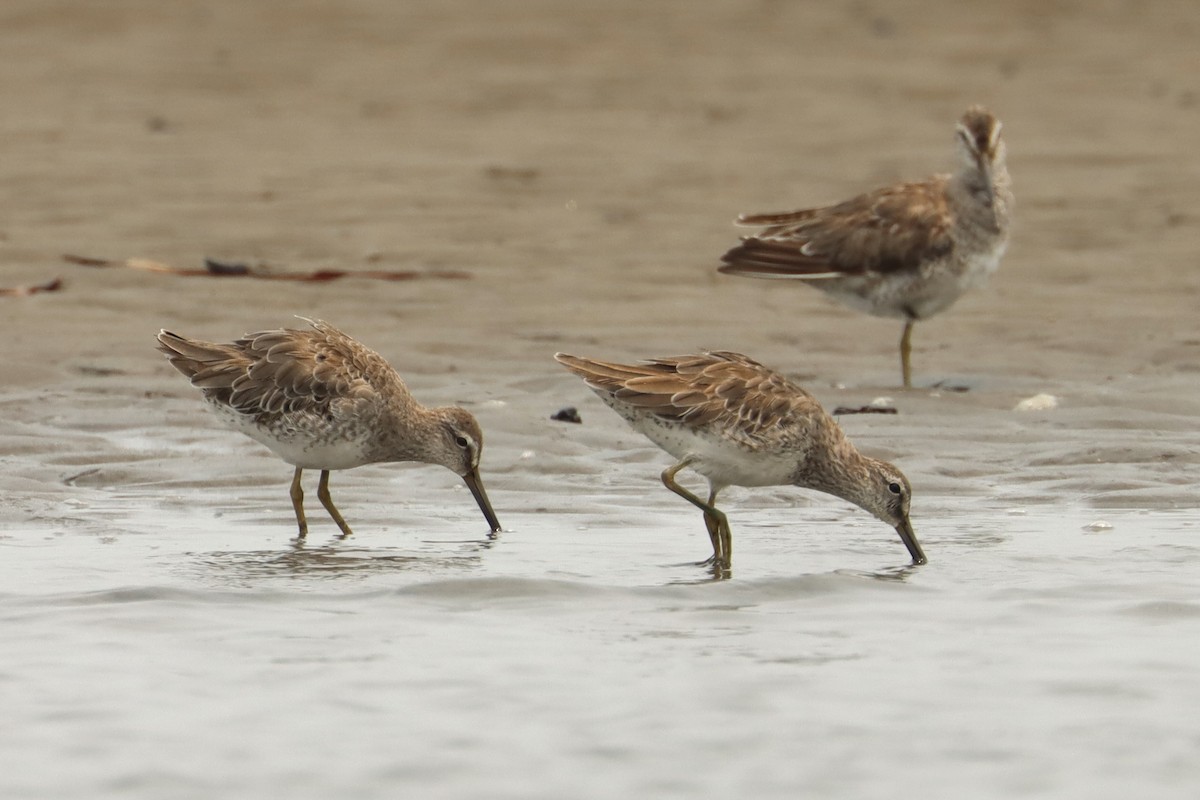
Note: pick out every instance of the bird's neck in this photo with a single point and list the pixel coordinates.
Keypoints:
(842, 473)
(982, 198)
(408, 434)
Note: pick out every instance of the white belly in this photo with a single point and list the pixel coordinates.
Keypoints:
(916, 294)
(337, 454)
(304, 442)
(725, 462)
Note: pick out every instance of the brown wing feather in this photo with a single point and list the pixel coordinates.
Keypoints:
(882, 231)
(280, 371)
(719, 387)
(205, 364)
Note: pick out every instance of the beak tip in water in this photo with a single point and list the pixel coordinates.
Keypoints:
(909, 537)
(485, 505)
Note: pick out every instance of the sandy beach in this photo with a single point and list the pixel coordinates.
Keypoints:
(582, 168)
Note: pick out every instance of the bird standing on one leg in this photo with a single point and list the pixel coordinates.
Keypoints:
(321, 400)
(905, 251)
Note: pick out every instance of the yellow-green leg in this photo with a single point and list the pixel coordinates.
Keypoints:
(327, 501)
(714, 520)
(298, 502)
(906, 353)
(723, 532)
(714, 535)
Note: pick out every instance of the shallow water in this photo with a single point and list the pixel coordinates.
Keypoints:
(192, 657)
(165, 635)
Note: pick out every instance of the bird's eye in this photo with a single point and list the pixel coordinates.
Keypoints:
(461, 441)
(894, 487)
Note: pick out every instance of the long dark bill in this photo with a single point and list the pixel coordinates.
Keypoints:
(909, 538)
(485, 505)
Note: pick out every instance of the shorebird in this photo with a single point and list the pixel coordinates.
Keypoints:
(739, 423)
(905, 251)
(321, 400)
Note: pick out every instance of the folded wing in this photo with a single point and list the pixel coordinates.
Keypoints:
(878, 232)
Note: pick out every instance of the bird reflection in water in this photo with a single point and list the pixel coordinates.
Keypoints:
(337, 561)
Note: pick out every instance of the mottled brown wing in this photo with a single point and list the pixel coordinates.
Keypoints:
(717, 388)
(882, 231)
(282, 370)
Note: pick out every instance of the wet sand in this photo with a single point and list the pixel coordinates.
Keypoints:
(583, 167)
(583, 164)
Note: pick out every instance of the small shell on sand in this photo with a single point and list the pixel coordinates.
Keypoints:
(1039, 402)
